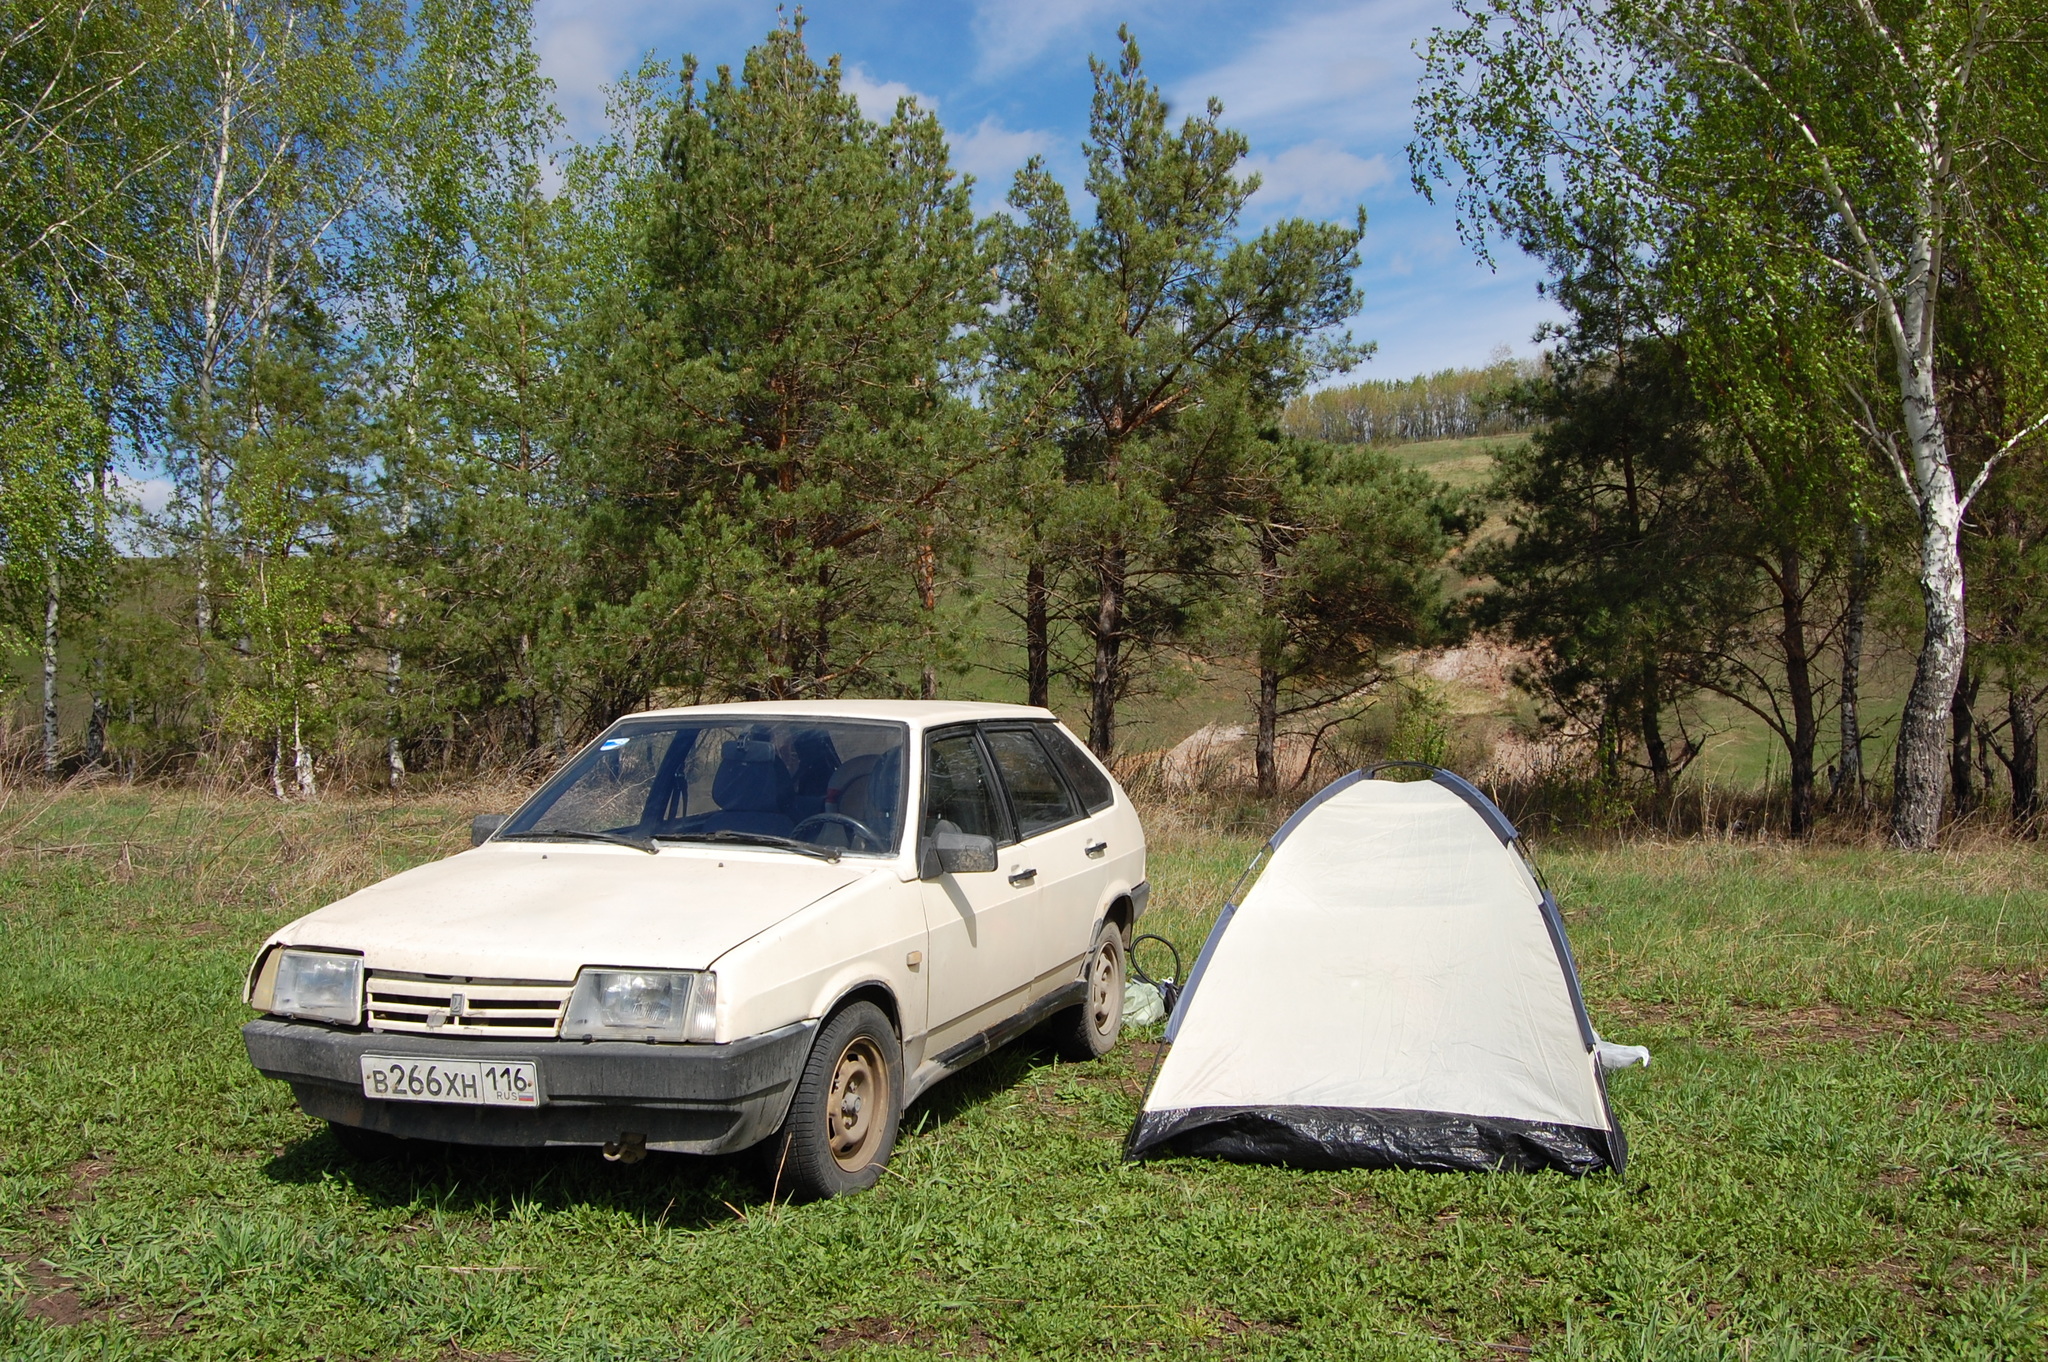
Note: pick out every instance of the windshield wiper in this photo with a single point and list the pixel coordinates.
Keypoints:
(567, 834)
(758, 839)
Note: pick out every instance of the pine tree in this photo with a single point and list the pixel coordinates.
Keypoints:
(780, 424)
(1142, 354)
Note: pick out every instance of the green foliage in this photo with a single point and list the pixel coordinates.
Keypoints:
(285, 582)
(1611, 570)
(786, 437)
(1343, 551)
(1421, 728)
(51, 440)
(1139, 356)
(1838, 163)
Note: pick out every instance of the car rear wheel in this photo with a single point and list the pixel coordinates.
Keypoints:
(1090, 1030)
(841, 1126)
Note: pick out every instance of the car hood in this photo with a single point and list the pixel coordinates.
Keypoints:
(544, 911)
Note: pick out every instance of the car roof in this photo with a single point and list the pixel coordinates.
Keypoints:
(919, 713)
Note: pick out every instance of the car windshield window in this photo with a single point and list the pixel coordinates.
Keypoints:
(827, 783)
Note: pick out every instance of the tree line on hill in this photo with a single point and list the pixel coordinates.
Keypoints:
(468, 444)
(1450, 404)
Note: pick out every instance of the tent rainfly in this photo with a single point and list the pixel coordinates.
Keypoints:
(1394, 992)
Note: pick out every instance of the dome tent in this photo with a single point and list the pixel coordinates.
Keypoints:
(1395, 991)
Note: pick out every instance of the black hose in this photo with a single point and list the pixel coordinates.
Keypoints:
(1169, 987)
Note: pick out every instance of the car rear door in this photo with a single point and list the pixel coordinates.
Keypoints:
(1054, 847)
(982, 925)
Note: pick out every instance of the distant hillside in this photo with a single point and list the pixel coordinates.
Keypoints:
(1462, 463)
(1452, 404)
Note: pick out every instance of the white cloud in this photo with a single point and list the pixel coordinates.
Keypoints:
(1317, 177)
(1014, 33)
(1345, 72)
(582, 49)
(152, 495)
(993, 153)
(585, 45)
(877, 98)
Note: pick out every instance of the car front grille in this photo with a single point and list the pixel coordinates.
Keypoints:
(442, 1005)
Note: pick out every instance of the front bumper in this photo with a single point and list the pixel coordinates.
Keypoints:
(687, 1099)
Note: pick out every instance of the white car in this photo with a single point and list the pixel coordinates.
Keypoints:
(718, 925)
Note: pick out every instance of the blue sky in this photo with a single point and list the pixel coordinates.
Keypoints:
(1322, 89)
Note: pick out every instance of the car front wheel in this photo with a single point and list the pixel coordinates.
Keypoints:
(841, 1126)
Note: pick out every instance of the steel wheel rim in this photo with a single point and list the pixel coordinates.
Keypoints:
(1105, 1000)
(855, 1104)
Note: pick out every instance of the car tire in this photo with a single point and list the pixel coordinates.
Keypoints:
(841, 1126)
(1089, 1029)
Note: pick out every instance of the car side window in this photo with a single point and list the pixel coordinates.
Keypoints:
(958, 790)
(1038, 797)
(1084, 775)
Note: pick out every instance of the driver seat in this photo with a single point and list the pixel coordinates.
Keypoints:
(752, 788)
(865, 788)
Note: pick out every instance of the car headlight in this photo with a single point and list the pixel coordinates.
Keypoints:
(640, 1004)
(320, 985)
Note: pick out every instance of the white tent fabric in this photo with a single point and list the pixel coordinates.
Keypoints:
(1395, 990)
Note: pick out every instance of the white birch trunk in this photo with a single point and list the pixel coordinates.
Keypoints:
(1918, 766)
(394, 759)
(302, 760)
(50, 673)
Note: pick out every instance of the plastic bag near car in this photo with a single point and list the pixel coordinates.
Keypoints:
(1165, 990)
(1395, 991)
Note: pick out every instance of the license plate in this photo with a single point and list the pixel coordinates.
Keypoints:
(471, 1082)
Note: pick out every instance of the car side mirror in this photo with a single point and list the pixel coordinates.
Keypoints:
(956, 853)
(483, 825)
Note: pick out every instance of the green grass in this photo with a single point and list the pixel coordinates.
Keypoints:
(1464, 464)
(1839, 1150)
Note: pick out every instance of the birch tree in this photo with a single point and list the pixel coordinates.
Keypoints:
(288, 102)
(463, 260)
(1881, 142)
(85, 123)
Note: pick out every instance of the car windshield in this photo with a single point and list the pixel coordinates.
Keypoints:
(812, 785)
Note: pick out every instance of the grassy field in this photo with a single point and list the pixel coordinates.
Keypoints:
(1464, 464)
(1842, 1148)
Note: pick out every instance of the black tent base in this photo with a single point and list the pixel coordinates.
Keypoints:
(1352, 1137)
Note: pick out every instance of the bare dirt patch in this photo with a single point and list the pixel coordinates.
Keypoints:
(83, 1176)
(52, 1298)
(2017, 989)
(1223, 1325)
(455, 1352)
(870, 1330)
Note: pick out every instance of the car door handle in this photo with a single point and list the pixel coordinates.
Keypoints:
(1023, 877)
(1096, 848)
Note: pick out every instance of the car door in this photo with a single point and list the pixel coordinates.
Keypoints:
(1114, 843)
(1053, 847)
(981, 924)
